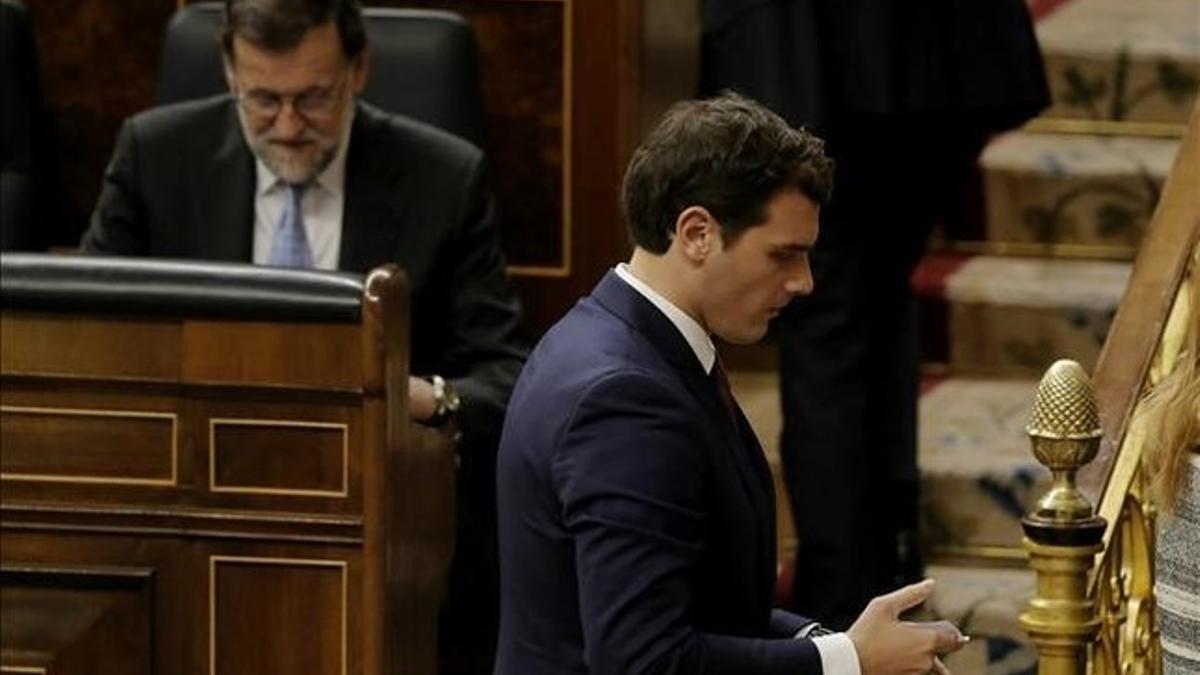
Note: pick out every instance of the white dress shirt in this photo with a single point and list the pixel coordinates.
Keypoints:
(838, 656)
(321, 208)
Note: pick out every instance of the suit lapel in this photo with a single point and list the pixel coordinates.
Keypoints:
(226, 227)
(753, 472)
(373, 216)
(764, 499)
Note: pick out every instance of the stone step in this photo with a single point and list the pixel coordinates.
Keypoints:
(978, 476)
(1018, 315)
(1046, 192)
(986, 604)
(1122, 60)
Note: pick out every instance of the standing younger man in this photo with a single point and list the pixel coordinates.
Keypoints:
(637, 525)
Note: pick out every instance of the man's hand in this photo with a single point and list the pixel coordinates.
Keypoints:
(421, 402)
(888, 646)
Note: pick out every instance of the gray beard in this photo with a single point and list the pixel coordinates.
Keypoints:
(291, 172)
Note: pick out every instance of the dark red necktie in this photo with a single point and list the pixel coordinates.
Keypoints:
(721, 381)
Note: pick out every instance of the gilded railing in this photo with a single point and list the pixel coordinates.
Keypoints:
(1128, 642)
(1094, 607)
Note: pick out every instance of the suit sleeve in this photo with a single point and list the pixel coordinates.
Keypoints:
(631, 478)
(119, 225)
(487, 348)
(787, 624)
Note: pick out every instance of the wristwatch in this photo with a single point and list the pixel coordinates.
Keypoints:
(445, 399)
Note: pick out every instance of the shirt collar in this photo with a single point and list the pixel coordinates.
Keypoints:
(695, 335)
(332, 179)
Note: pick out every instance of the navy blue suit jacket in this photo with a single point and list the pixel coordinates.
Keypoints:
(637, 525)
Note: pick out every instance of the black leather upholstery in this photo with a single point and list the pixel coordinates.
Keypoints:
(424, 64)
(177, 288)
(20, 114)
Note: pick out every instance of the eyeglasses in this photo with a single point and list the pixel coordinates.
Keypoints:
(312, 103)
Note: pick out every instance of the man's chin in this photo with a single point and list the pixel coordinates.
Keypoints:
(291, 170)
(747, 336)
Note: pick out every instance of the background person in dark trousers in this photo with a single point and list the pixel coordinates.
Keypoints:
(905, 94)
(290, 169)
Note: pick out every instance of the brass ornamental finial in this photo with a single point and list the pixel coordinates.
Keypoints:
(1065, 406)
(1063, 534)
(1065, 432)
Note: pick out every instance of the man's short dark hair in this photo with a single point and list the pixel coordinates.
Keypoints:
(280, 25)
(728, 154)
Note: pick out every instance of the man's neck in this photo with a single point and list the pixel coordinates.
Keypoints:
(668, 277)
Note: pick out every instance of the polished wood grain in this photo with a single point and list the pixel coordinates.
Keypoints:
(279, 457)
(78, 445)
(284, 354)
(1142, 315)
(75, 620)
(310, 525)
(98, 64)
(523, 71)
(292, 596)
(91, 346)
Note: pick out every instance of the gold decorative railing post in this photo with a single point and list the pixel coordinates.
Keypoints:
(1063, 534)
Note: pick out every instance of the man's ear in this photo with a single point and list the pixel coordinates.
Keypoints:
(362, 69)
(696, 233)
(229, 79)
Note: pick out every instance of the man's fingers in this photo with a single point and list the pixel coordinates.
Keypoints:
(910, 596)
(939, 668)
(947, 637)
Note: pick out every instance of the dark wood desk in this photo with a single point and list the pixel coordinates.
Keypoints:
(206, 495)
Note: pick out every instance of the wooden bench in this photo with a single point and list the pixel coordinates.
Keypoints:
(209, 469)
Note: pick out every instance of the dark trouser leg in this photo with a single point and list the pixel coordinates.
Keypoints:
(849, 365)
(469, 618)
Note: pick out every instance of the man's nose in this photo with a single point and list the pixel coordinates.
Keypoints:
(800, 283)
(289, 123)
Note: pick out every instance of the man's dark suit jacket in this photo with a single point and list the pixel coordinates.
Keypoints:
(637, 526)
(181, 185)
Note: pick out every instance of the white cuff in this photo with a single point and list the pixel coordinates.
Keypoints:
(838, 656)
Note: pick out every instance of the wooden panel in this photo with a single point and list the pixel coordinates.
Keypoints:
(1142, 315)
(283, 456)
(603, 47)
(525, 74)
(123, 467)
(278, 615)
(279, 457)
(88, 446)
(86, 346)
(76, 621)
(98, 63)
(314, 355)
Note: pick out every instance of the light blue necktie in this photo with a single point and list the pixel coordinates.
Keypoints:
(290, 247)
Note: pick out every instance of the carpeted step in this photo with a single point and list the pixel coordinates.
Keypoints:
(1122, 60)
(978, 475)
(1018, 315)
(1046, 193)
(986, 604)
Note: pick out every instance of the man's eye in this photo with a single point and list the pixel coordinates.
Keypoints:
(314, 96)
(784, 255)
(262, 98)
